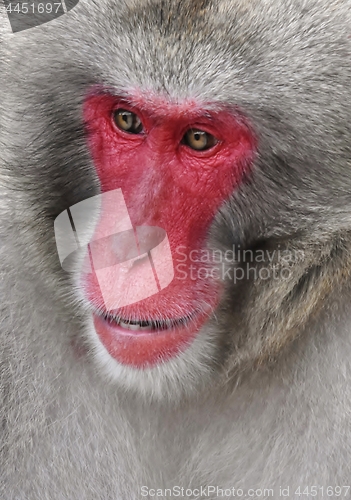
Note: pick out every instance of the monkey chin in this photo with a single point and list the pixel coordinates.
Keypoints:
(189, 368)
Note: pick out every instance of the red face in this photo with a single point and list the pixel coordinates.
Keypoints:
(175, 163)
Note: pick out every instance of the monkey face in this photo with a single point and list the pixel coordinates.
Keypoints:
(175, 163)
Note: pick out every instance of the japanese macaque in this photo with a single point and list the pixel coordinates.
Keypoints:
(197, 341)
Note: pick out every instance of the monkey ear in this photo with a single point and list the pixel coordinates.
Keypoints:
(23, 16)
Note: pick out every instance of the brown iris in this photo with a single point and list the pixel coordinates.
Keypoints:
(127, 121)
(199, 140)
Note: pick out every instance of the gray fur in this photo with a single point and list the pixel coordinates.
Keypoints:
(268, 400)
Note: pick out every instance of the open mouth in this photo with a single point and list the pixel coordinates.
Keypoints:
(151, 325)
(142, 343)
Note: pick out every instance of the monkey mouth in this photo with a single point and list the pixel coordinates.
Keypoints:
(143, 343)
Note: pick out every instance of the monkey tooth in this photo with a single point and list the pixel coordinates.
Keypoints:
(142, 325)
(132, 326)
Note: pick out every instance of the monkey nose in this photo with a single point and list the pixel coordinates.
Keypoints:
(132, 266)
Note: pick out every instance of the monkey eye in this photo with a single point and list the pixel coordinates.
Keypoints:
(127, 121)
(199, 140)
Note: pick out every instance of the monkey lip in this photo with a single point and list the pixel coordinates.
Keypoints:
(142, 343)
